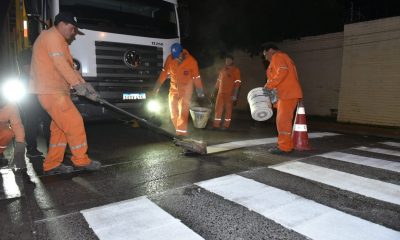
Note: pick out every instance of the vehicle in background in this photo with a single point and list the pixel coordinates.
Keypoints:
(122, 51)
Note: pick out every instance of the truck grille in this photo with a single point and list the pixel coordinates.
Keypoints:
(114, 77)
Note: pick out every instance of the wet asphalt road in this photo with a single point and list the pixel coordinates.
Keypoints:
(137, 162)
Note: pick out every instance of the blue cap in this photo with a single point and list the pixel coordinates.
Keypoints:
(176, 50)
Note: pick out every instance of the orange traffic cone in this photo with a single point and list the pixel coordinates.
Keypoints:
(299, 133)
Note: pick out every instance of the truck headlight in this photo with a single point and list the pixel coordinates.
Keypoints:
(14, 90)
(154, 106)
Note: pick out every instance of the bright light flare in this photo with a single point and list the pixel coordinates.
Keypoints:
(14, 90)
(153, 106)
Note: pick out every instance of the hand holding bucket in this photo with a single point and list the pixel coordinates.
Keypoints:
(260, 104)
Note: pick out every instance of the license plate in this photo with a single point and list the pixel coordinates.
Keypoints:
(133, 96)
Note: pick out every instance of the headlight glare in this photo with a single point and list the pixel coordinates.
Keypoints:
(14, 90)
(153, 106)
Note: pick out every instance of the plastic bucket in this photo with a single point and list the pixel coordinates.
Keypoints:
(260, 105)
(200, 116)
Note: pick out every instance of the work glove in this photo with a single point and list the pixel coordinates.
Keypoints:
(19, 155)
(200, 93)
(272, 94)
(266, 91)
(86, 90)
(214, 93)
(156, 89)
(235, 95)
(154, 92)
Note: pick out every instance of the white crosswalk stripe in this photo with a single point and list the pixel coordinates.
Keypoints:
(307, 217)
(392, 144)
(366, 161)
(137, 218)
(140, 218)
(379, 150)
(368, 187)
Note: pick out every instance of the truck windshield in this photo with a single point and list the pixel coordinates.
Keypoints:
(146, 18)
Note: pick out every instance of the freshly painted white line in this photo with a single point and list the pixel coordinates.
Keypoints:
(239, 144)
(137, 218)
(304, 216)
(11, 189)
(393, 144)
(322, 134)
(254, 142)
(379, 150)
(365, 161)
(367, 187)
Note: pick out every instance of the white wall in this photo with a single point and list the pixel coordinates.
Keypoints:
(370, 85)
(356, 72)
(318, 60)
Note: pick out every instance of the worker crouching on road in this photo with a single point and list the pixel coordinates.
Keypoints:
(282, 76)
(227, 85)
(52, 76)
(184, 72)
(11, 127)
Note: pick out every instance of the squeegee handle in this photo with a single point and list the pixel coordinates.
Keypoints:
(141, 120)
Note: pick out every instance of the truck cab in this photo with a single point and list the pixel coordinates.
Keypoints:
(122, 51)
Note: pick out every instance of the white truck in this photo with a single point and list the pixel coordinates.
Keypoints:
(123, 50)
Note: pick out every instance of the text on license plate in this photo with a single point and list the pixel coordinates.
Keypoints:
(133, 96)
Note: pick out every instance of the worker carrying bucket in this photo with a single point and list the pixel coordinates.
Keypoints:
(184, 73)
(282, 76)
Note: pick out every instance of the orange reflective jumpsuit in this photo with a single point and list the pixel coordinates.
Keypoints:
(183, 75)
(228, 80)
(52, 75)
(282, 75)
(10, 126)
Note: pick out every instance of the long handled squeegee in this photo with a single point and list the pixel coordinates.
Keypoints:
(187, 144)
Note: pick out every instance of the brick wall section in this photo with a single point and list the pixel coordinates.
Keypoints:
(356, 72)
(370, 81)
(318, 60)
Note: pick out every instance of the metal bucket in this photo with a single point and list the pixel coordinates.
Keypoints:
(260, 105)
(200, 116)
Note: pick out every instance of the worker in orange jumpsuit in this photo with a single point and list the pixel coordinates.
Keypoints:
(227, 85)
(184, 72)
(282, 76)
(11, 127)
(52, 77)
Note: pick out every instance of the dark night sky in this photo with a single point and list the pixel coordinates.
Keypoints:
(218, 26)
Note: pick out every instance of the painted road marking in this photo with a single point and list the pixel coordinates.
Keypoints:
(392, 144)
(367, 187)
(137, 218)
(10, 187)
(365, 161)
(379, 150)
(239, 144)
(255, 142)
(304, 216)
